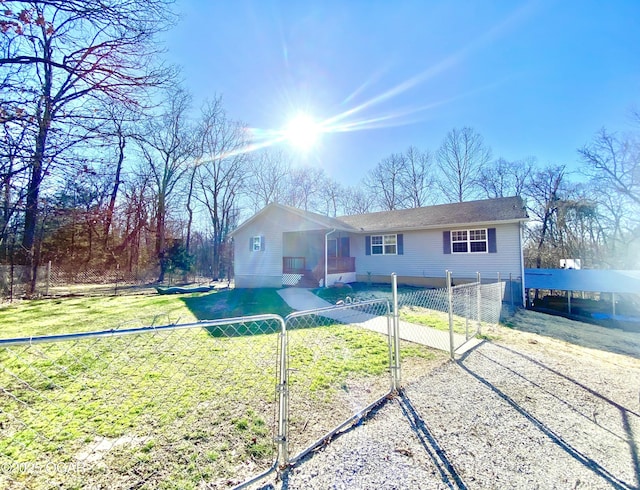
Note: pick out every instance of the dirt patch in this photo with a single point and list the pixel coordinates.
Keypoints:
(583, 334)
(96, 450)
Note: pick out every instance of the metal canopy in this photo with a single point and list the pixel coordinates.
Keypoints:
(588, 280)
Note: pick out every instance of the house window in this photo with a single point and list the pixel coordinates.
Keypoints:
(469, 241)
(332, 247)
(384, 244)
(256, 243)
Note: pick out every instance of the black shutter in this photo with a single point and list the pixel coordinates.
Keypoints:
(367, 245)
(250, 244)
(262, 243)
(491, 237)
(344, 247)
(446, 242)
(400, 243)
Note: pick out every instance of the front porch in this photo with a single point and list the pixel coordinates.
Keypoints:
(306, 255)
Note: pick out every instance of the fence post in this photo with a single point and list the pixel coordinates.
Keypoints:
(282, 439)
(11, 280)
(613, 303)
(397, 375)
(500, 290)
(479, 301)
(46, 292)
(511, 291)
(467, 312)
(390, 336)
(450, 296)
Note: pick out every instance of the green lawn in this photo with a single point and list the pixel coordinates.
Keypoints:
(82, 314)
(174, 408)
(361, 291)
(440, 320)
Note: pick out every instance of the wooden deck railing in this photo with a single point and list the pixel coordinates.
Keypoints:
(335, 265)
(294, 265)
(341, 264)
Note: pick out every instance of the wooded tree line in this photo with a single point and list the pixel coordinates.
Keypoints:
(591, 214)
(105, 162)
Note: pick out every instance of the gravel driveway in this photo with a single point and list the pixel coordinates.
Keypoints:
(520, 411)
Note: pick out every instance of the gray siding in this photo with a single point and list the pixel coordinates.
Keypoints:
(253, 281)
(264, 268)
(424, 257)
(259, 269)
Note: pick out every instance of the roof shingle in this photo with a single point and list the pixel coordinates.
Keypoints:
(463, 213)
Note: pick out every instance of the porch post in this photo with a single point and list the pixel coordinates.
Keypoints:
(326, 255)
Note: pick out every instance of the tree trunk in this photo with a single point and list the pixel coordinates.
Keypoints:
(114, 191)
(44, 114)
(190, 211)
(160, 237)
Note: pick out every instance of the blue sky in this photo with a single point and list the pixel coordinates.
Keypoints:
(535, 78)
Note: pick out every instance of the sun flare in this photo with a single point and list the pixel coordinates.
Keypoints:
(303, 132)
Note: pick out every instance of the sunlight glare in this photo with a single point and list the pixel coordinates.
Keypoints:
(303, 132)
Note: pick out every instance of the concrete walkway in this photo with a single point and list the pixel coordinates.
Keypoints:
(302, 300)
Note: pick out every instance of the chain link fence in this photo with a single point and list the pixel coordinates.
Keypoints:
(450, 318)
(185, 404)
(53, 280)
(214, 404)
(338, 363)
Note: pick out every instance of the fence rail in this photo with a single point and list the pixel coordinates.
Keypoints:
(215, 403)
(117, 409)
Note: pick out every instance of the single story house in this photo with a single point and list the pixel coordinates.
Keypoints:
(285, 246)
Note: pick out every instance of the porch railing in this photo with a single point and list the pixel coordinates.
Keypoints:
(298, 265)
(294, 265)
(341, 264)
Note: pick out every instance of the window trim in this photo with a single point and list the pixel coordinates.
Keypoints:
(468, 241)
(257, 240)
(384, 245)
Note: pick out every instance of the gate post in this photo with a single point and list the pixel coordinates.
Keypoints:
(450, 296)
(479, 303)
(396, 368)
(282, 439)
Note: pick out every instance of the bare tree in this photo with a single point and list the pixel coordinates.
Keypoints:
(133, 221)
(417, 179)
(612, 164)
(578, 230)
(503, 178)
(545, 194)
(222, 166)
(305, 189)
(460, 158)
(14, 153)
(356, 200)
(332, 197)
(57, 57)
(615, 163)
(385, 182)
(117, 133)
(401, 180)
(269, 171)
(168, 148)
